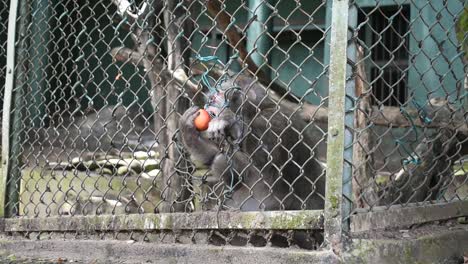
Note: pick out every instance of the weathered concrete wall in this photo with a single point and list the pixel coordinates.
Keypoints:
(86, 251)
(442, 248)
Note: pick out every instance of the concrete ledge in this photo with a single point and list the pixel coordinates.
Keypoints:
(397, 216)
(88, 251)
(445, 247)
(440, 246)
(278, 220)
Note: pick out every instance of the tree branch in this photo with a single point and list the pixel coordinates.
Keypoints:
(385, 116)
(224, 22)
(124, 54)
(392, 117)
(236, 39)
(174, 192)
(363, 158)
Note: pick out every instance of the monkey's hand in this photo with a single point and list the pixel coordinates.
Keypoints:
(223, 126)
(200, 149)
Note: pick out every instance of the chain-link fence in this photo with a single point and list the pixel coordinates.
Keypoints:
(206, 121)
(410, 126)
(102, 122)
(3, 49)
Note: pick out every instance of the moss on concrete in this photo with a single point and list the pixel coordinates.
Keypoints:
(443, 247)
(291, 221)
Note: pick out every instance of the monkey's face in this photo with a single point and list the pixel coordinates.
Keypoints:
(222, 101)
(216, 103)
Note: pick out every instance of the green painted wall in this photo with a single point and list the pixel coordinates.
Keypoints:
(296, 59)
(437, 68)
(72, 62)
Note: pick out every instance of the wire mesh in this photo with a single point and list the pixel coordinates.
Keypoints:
(104, 104)
(253, 238)
(107, 94)
(3, 48)
(410, 130)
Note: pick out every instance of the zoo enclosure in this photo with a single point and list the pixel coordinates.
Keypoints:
(393, 71)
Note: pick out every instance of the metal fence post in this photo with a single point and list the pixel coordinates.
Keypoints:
(350, 102)
(258, 40)
(14, 87)
(9, 84)
(38, 75)
(336, 125)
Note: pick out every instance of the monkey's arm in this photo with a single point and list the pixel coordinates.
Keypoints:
(201, 149)
(207, 151)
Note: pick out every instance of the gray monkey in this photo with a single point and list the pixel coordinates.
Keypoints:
(262, 151)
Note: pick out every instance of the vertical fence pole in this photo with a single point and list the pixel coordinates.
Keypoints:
(38, 76)
(350, 99)
(336, 125)
(9, 84)
(177, 30)
(14, 96)
(258, 40)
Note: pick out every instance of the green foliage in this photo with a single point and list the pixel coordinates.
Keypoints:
(462, 29)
